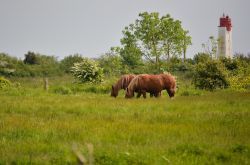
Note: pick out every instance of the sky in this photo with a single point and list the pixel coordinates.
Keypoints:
(91, 27)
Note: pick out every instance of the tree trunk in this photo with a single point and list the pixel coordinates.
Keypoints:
(184, 54)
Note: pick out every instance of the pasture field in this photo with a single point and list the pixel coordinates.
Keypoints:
(38, 127)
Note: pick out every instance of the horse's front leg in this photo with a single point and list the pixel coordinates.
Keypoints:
(144, 94)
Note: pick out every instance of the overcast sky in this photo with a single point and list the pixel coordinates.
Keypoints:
(91, 27)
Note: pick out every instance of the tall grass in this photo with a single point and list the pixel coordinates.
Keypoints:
(40, 128)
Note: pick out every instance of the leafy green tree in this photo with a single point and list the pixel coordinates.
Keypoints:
(149, 34)
(130, 53)
(175, 38)
(31, 58)
(69, 61)
(88, 70)
(185, 42)
(155, 37)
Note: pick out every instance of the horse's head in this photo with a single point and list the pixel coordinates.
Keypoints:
(114, 91)
(129, 93)
(171, 92)
(170, 84)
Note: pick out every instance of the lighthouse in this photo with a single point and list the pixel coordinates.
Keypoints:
(225, 37)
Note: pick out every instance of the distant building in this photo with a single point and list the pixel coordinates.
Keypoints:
(225, 37)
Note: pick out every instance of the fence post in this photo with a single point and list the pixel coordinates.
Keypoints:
(46, 83)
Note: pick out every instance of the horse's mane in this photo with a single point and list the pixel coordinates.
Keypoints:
(123, 82)
(133, 83)
(167, 74)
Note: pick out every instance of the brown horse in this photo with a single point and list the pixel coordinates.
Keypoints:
(153, 84)
(122, 83)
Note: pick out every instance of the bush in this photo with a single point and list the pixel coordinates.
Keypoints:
(62, 90)
(230, 64)
(88, 71)
(239, 82)
(201, 58)
(210, 75)
(111, 64)
(33, 65)
(4, 83)
(8, 64)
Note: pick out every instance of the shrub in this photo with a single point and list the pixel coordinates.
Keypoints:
(62, 90)
(88, 71)
(201, 58)
(4, 83)
(111, 64)
(210, 75)
(239, 82)
(230, 64)
(8, 64)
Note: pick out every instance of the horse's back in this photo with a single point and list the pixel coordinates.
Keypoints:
(150, 83)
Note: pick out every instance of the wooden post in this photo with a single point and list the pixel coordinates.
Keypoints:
(46, 83)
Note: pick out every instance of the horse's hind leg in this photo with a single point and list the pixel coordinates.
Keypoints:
(144, 94)
(152, 94)
(157, 94)
(138, 95)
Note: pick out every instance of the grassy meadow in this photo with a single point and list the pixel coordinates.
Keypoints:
(196, 127)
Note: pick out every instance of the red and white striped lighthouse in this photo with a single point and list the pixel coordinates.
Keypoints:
(225, 37)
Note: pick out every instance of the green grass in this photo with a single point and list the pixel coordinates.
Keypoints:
(38, 127)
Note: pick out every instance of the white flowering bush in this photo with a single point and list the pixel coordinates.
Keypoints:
(87, 71)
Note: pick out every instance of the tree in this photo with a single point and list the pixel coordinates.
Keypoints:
(175, 38)
(155, 37)
(148, 32)
(130, 53)
(31, 58)
(186, 41)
